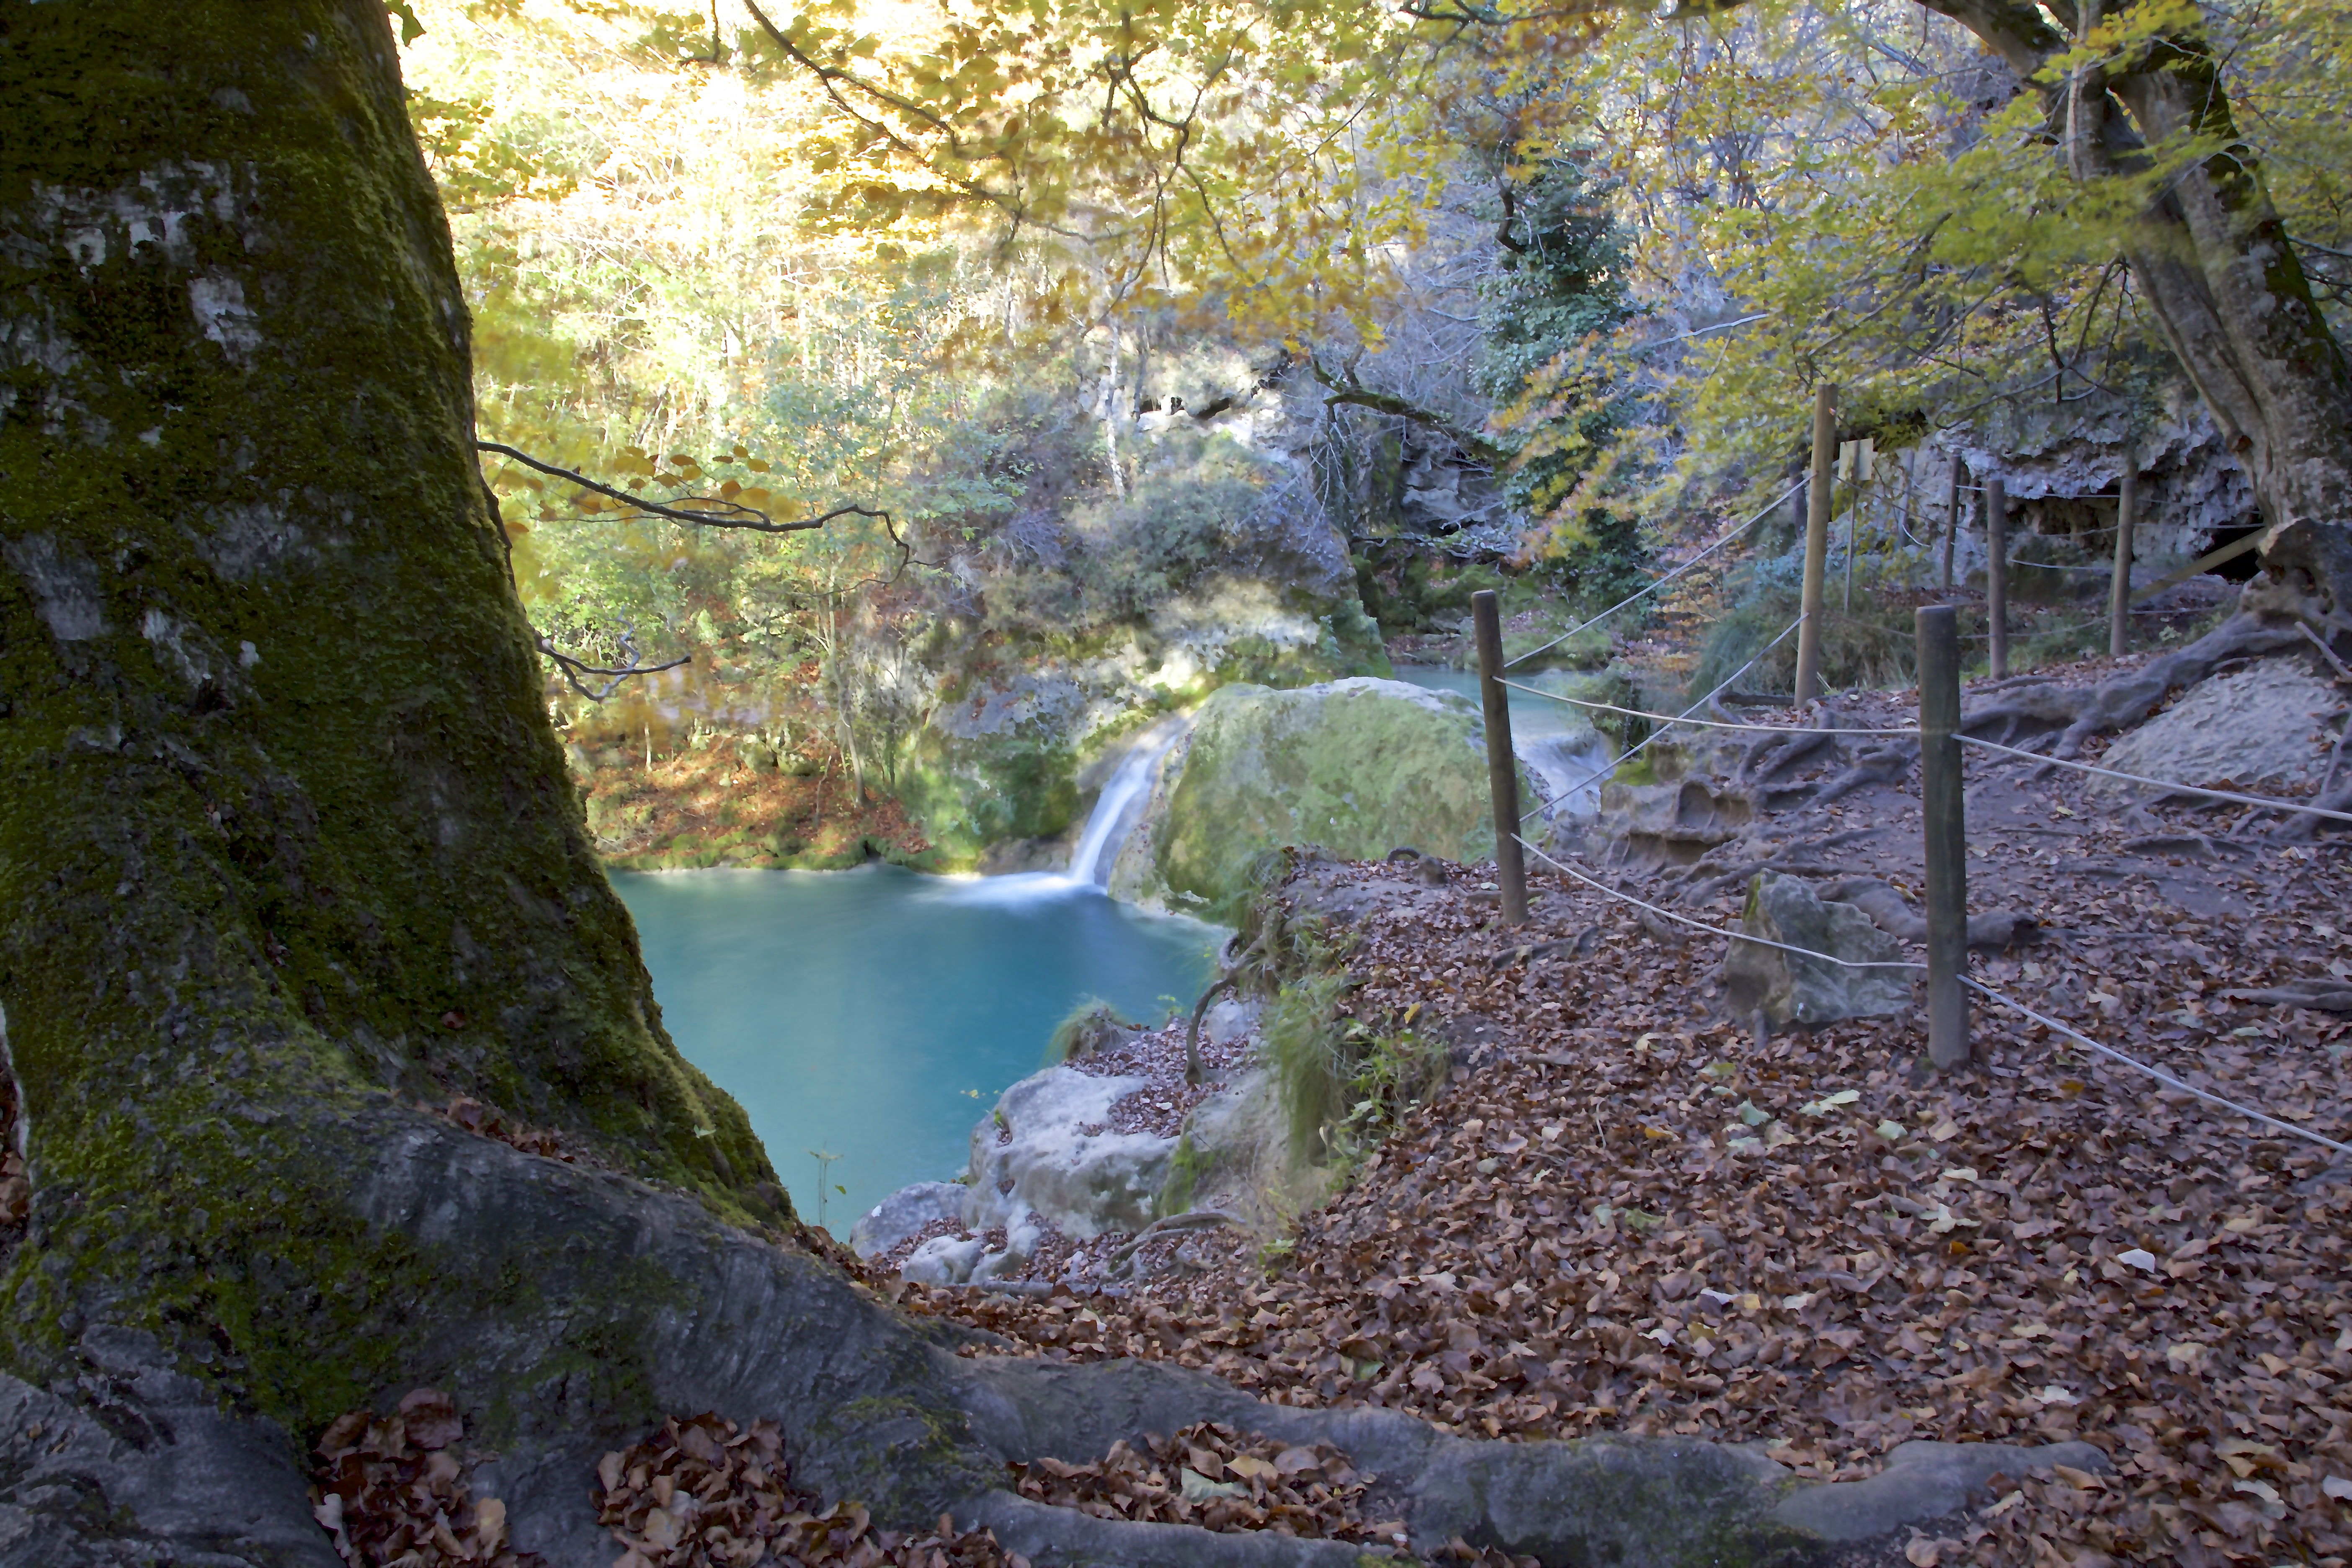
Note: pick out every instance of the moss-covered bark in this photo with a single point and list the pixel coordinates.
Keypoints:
(283, 827)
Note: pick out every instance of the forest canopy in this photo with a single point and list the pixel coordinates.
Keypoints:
(941, 261)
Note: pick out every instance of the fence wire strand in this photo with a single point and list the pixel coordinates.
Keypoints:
(1707, 723)
(2158, 1074)
(2292, 807)
(1665, 722)
(1652, 587)
(1599, 772)
(1714, 931)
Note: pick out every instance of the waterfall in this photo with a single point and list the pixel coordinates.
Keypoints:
(1569, 769)
(1115, 811)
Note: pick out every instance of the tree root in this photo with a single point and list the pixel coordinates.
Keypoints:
(1120, 1265)
(1888, 910)
(2125, 699)
(1879, 764)
(2319, 995)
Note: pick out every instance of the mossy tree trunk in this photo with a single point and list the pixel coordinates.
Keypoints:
(284, 830)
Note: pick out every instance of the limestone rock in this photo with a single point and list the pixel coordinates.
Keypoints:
(1048, 1147)
(1356, 766)
(1808, 992)
(944, 1260)
(1236, 1157)
(904, 1213)
(2260, 728)
(1229, 1020)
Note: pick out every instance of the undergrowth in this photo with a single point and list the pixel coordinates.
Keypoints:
(1086, 1028)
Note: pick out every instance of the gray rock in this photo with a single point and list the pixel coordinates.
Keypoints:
(1229, 1020)
(1023, 1237)
(2259, 730)
(1791, 988)
(904, 1213)
(1048, 1147)
(943, 1260)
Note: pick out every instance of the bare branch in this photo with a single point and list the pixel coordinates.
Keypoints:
(1352, 391)
(574, 668)
(735, 514)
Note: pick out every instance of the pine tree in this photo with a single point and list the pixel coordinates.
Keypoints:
(1561, 282)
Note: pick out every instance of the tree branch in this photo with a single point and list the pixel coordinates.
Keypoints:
(1352, 391)
(574, 668)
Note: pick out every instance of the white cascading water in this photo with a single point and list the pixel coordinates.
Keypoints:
(1115, 813)
(1569, 769)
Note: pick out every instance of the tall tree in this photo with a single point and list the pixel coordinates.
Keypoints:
(2211, 257)
(290, 842)
(2131, 92)
(1560, 286)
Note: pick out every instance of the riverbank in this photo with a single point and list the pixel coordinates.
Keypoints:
(728, 800)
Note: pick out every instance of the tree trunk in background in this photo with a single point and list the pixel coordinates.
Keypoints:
(2213, 259)
(288, 841)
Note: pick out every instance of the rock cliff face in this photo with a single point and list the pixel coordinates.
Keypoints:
(1358, 768)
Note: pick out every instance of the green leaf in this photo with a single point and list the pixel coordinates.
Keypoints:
(411, 29)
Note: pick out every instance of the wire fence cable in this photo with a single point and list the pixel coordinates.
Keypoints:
(2292, 807)
(1714, 931)
(2158, 1074)
(1707, 723)
(1657, 584)
(1611, 767)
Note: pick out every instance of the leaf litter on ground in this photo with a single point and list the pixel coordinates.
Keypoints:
(1636, 1217)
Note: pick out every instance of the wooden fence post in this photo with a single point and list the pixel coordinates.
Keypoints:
(1502, 762)
(1951, 517)
(1817, 542)
(1943, 810)
(1997, 574)
(2119, 593)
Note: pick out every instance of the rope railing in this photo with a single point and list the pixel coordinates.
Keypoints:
(1715, 931)
(1702, 723)
(1943, 797)
(2292, 807)
(1598, 774)
(1652, 587)
(2158, 1074)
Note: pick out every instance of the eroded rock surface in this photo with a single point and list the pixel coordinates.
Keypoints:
(1806, 991)
(2267, 727)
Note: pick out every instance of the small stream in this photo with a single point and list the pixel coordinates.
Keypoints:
(877, 1014)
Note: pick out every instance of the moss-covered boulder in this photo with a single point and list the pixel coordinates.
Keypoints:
(1356, 766)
